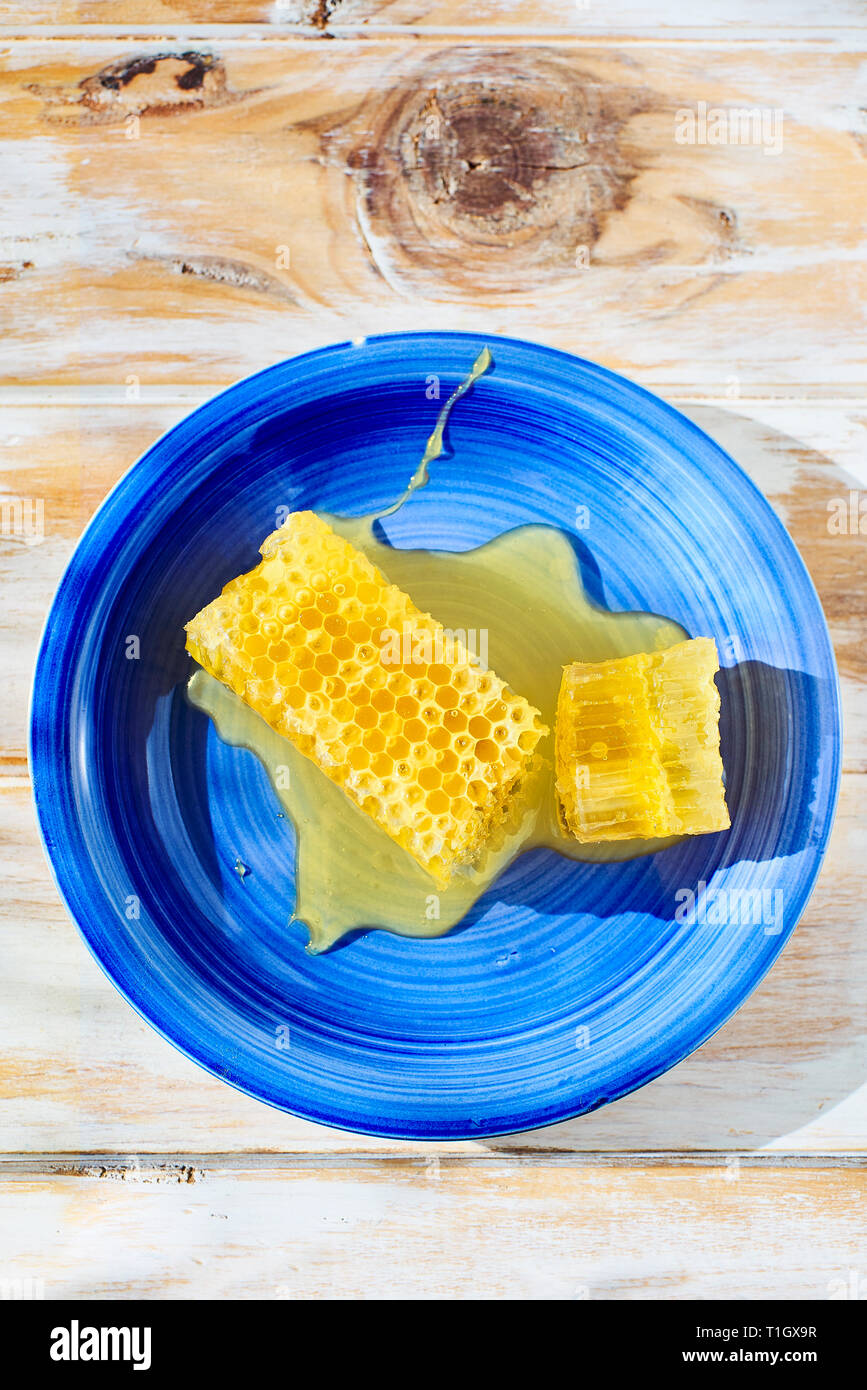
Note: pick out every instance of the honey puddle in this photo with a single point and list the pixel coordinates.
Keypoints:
(524, 590)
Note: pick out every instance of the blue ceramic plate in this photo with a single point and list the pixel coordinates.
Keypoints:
(568, 984)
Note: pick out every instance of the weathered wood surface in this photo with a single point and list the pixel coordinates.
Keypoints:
(738, 20)
(82, 1072)
(803, 456)
(393, 1229)
(194, 213)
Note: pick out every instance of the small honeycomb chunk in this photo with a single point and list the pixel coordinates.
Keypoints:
(637, 746)
(378, 694)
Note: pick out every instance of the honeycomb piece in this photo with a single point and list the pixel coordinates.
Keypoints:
(374, 691)
(637, 746)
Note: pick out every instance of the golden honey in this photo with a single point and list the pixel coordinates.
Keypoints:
(523, 590)
(464, 798)
(387, 702)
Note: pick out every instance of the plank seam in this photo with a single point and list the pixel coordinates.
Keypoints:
(192, 1167)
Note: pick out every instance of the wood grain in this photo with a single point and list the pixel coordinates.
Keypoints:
(82, 1072)
(739, 19)
(197, 189)
(193, 213)
(68, 456)
(523, 1232)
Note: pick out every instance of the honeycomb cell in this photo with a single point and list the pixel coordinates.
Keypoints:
(302, 640)
(446, 697)
(327, 730)
(310, 680)
(375, 679)
(383, 700)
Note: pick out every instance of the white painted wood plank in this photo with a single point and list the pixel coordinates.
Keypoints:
(740, 19)
(82, 1072)
(129, 256)
(442, 1231)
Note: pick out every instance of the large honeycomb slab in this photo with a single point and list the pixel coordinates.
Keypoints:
(344, 665)
(637, 745)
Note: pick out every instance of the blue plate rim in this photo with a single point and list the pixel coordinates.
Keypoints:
(444, 1132)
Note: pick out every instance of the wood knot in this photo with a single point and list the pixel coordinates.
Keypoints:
(154, 84)
(491, 170)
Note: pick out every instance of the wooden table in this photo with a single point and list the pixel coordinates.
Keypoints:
(193, 189)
